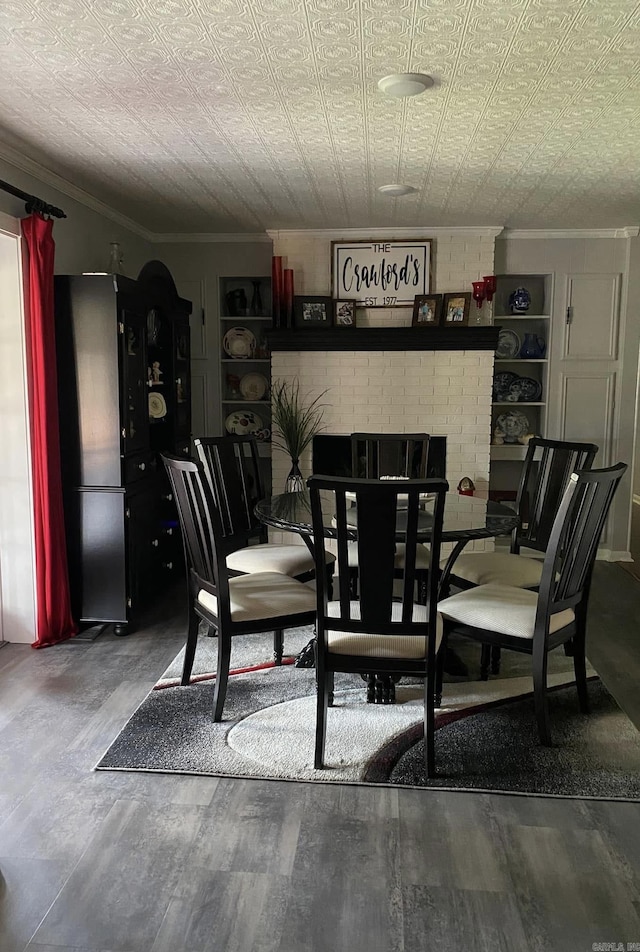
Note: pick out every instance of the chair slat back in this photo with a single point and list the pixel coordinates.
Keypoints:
(389, 454)
(575, 535)
(386, 512)
(233, 469)
(545, 475)
(199, 519)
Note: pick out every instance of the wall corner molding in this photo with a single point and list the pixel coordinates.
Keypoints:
(31, 167)
(210, 238)
(627, 231)
(472, 231)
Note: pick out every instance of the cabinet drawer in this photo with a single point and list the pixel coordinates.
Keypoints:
(140, 466)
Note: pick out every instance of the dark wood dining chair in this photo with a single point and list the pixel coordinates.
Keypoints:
(232, 466)
(241, 605)
(545, 474)
(385, 456)
(378, 632)
(536, 622)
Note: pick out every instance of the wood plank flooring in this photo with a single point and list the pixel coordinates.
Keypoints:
(122, 862)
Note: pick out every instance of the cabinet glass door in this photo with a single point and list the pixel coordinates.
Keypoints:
(182, 359)
(135, 403)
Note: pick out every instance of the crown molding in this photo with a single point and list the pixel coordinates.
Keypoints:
(627, 231)
(477, 231)
(25, 164)
(205, 238)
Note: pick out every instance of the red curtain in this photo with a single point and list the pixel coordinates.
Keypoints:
(54, 621)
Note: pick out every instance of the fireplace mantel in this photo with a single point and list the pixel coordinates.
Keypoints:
(384, 338)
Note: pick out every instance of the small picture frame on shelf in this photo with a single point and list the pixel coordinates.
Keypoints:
(344, 313)
(312, 310)
(455, 309)
(426, 310)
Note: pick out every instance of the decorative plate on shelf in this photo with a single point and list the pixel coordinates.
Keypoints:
(513, 424)
(239, 342)
(157, 406)
(253, 386)
(501, 383)
(509, 344)
(525, 389)
(243, 422)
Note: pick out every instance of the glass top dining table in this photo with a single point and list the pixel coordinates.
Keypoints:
(465, 517)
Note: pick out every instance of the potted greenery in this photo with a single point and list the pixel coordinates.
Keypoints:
(295, 424)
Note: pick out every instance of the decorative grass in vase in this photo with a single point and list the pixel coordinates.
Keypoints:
(295, 425)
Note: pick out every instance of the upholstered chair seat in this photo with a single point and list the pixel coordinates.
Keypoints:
(501, 608)
(255, 596)
(498, 568)
(293, 560)
(381, 646)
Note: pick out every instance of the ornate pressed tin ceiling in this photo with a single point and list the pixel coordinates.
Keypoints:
(240, 115)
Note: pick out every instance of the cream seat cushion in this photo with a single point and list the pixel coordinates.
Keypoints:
(381, 646)
(263, 595)
(501, 608)
(499, 568)
(422, 556)
(272, 557)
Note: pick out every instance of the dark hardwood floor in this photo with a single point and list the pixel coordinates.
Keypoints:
(124, 862)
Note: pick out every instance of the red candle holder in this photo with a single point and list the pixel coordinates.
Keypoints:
(490, 285)
(276, 290)
(287, 297)
(478, 292)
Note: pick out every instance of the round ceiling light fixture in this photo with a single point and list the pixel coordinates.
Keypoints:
(396, 189)
(405, 84)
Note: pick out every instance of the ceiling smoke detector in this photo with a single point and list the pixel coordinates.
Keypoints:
(405, 84)
(396, 189)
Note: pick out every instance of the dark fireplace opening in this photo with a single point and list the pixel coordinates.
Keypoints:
(331, 455)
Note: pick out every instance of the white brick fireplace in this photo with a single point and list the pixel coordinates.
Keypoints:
(420, 388)
(440, 392)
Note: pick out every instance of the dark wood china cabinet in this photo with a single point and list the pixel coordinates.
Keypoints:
(124, 387)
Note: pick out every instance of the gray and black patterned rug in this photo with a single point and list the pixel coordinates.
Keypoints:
(486, 736)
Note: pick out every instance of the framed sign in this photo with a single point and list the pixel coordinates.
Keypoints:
(381, 273)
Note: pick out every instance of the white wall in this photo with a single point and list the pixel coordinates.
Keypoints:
(83, 237)
(196, 268)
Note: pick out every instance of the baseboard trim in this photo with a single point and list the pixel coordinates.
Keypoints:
(613, 555)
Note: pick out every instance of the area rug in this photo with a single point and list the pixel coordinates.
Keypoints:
(485, 740)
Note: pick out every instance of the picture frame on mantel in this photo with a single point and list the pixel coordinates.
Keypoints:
(426, 310)
(382, 273)
(455, 309)
(344, 314)
(312, 311)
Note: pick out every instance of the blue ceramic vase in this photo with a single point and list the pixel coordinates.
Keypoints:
(533, 347)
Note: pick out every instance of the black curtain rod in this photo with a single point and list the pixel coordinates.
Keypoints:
(32, 204)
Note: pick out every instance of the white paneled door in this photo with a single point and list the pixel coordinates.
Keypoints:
(592, 317)
(586, 365)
